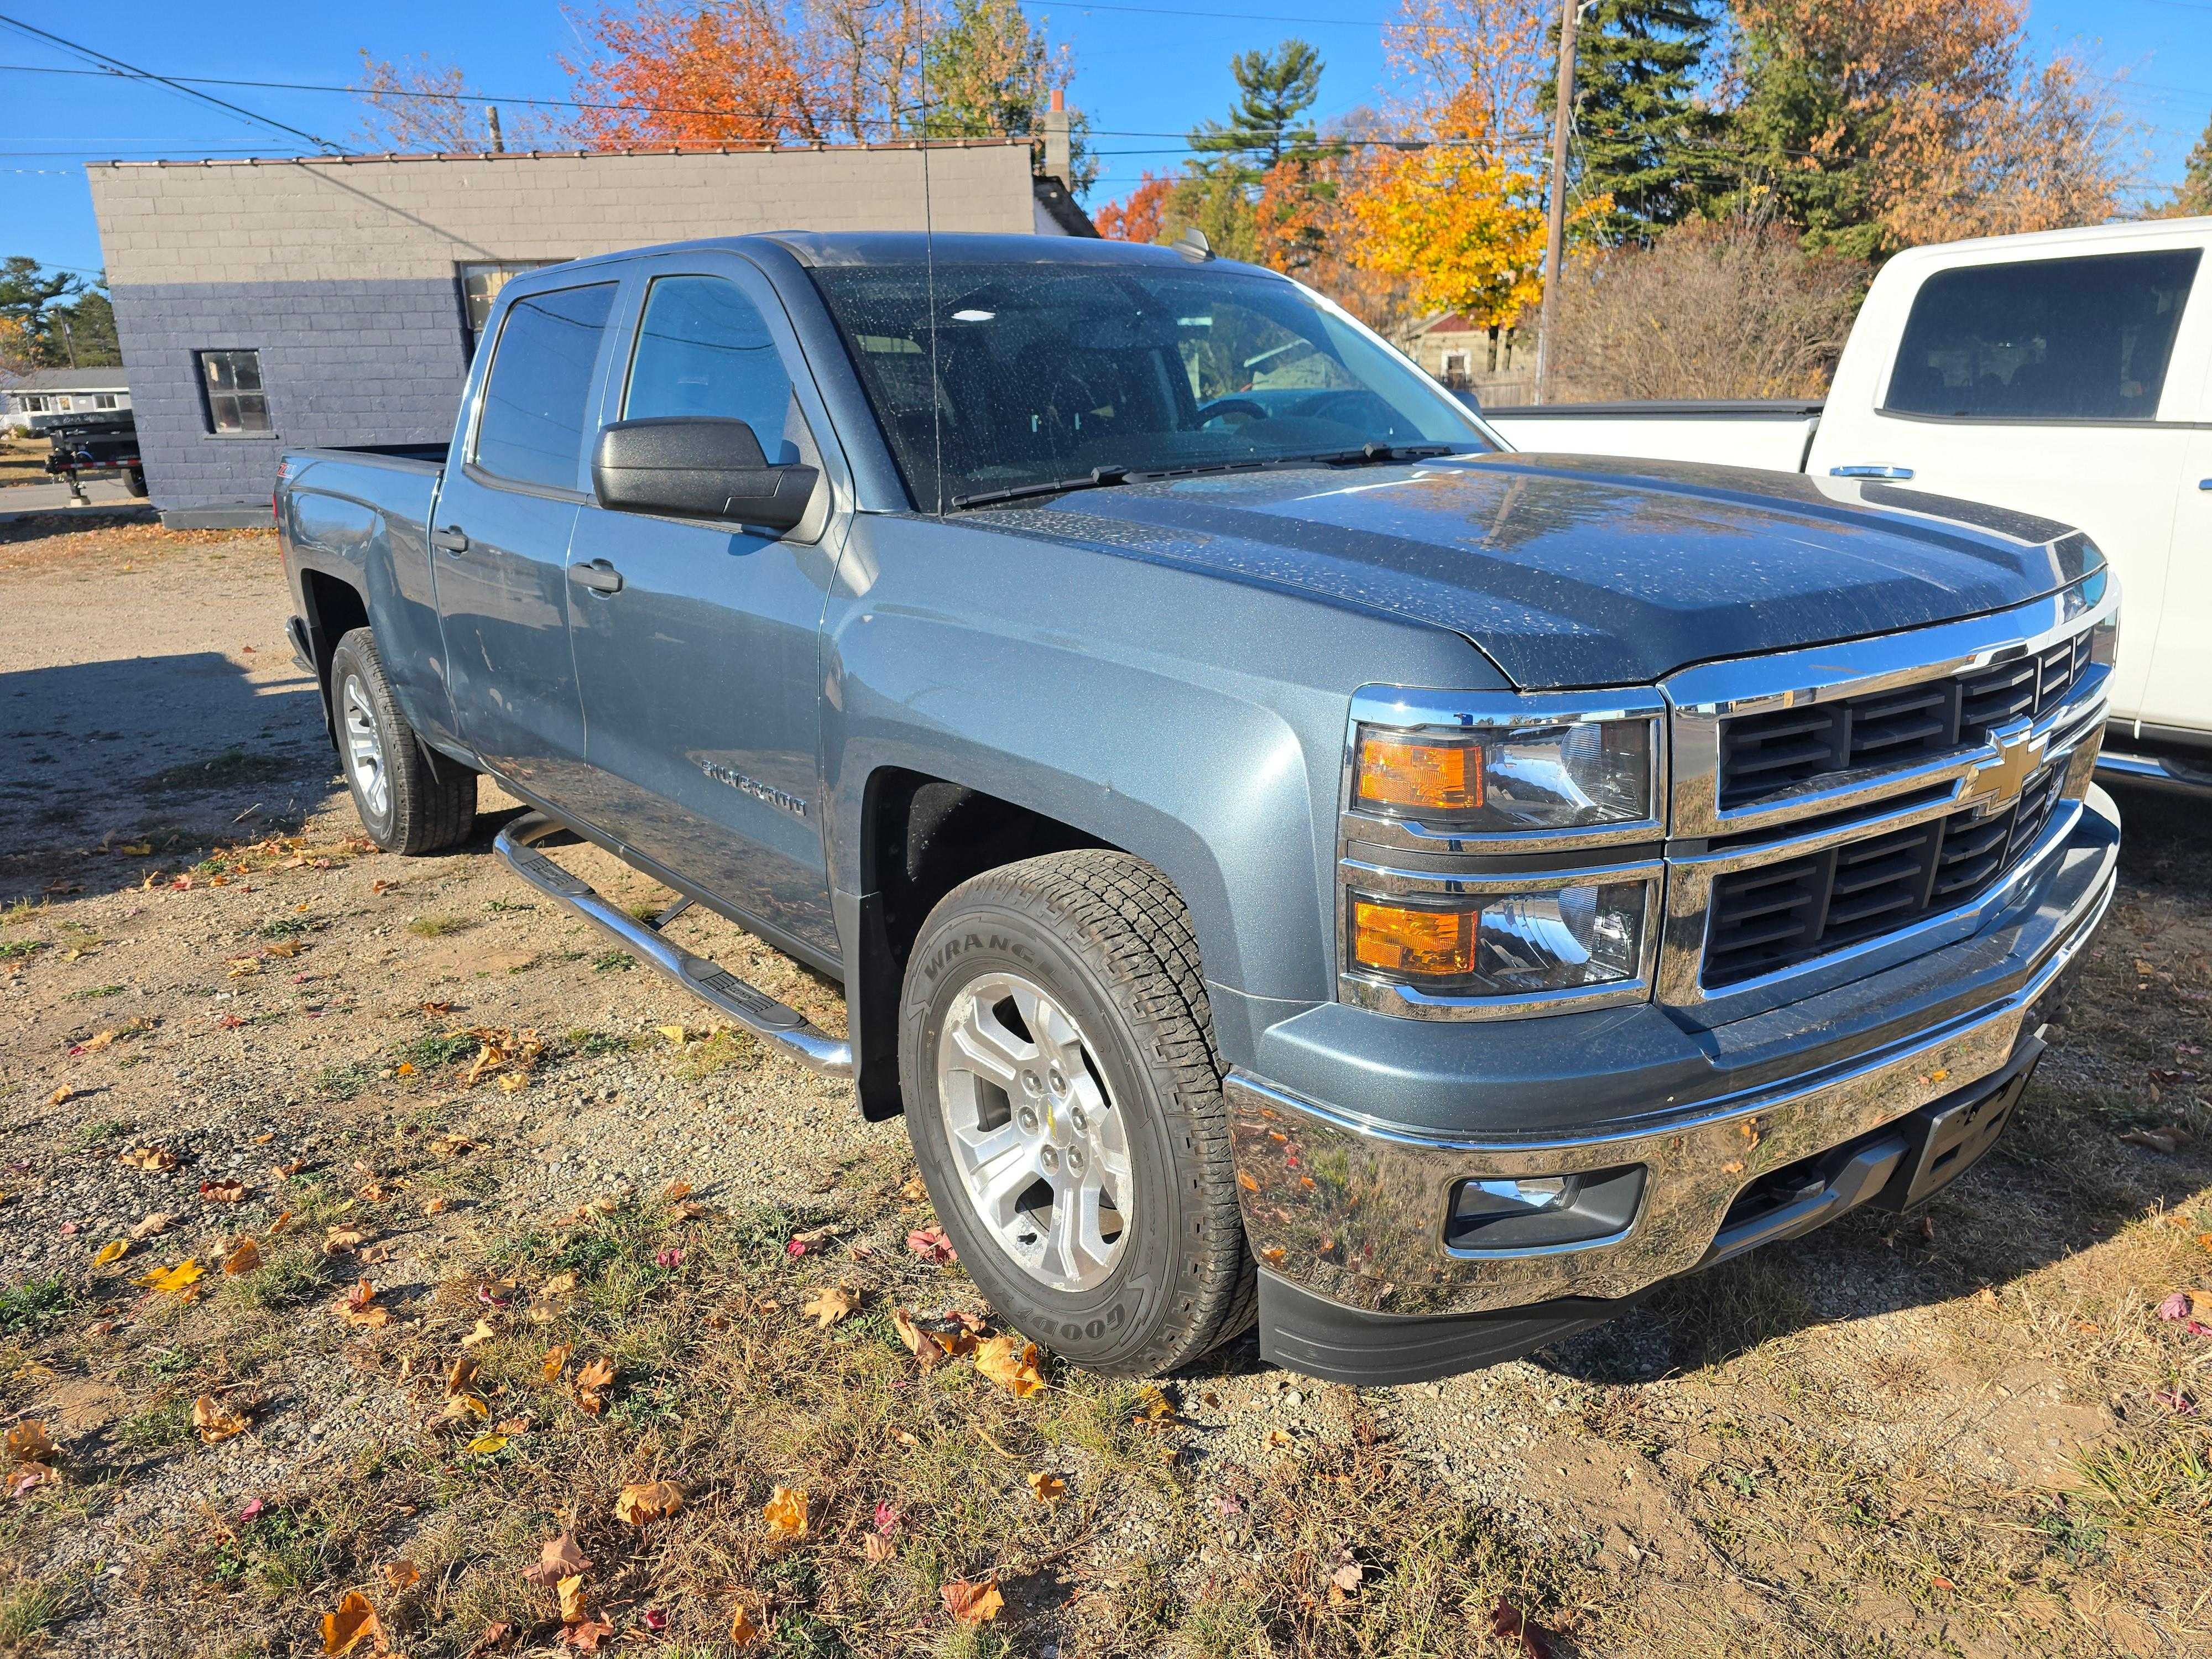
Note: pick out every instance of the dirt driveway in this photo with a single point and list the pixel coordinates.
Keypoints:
(368, 1227)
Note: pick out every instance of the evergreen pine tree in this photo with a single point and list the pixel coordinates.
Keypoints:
(1274, 88)
(1643, 137)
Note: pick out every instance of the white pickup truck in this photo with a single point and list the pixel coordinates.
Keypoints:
(2067, 375)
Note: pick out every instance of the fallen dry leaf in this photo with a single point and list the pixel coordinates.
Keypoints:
(651, 1500)
(26, 1443)
(914, 1191)
(744, 1632)
(1047, 1487)
(931, 1244)
(877, 1547)
(176, 1280)
(1011, 1364)
(433, 1207)
(459, 1407)
(495, 1636)
(1509, 1623)
(342, 1239)
(402, 1573)
(786, 1512)
(460, 1373)
(676, 1191)
(485, 1444)
(113, 1251)
(557, 1559)
(483, 1332)
(2165, 1140)
(354, 1621)
(592, 1382)
(573, 1606)
(559, 1284)
(556, 1361)
(244, 1256)
(222, 1192)
(159, 1159)
(973, 1602)
(214, 1423)
(585, 1634)
(154, 1222)
(829, 1304)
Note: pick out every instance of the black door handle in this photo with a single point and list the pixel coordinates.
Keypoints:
(599, 576)
(450, 539)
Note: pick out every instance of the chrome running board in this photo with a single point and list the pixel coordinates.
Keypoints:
(782, 1027)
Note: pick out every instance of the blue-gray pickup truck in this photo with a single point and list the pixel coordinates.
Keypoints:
(1290, 857)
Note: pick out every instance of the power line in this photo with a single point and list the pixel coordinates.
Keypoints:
(117, 66)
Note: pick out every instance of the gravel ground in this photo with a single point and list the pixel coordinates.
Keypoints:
(202, 960)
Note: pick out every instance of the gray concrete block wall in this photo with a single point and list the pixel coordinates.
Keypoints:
(359, 362)
(342, 273)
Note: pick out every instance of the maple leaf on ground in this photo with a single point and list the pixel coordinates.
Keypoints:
(244, 1256)
(358, 1307)
(26, 1443)
(159, 1159)
(786, 1512)
(483, 1332)
(875, 1547)
(215, 1424)
(495, 1636)
(651, 1500)
(1047, 1487)
(459, 1375)
(557, 1559)
(592, 1382)
(154, 1222)
(829, 1304)
(585, 1634)
(556, 1361)
(744, 1632)
(973, 1602)
(1011, 1364)
(353, 1622)
(113, 1251)
(931, 1244)
(174, 1281)
(402, 1573)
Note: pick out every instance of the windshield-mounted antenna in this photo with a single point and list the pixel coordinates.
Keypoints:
(929, 269)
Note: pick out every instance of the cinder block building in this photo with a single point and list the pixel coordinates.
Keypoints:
(327, 300)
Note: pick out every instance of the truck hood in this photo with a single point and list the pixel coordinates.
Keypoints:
(1575, 571)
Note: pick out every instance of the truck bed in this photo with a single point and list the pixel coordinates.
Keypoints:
(1770, 434)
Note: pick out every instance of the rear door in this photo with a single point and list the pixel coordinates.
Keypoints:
(500, 537)
(2043, 385)
(700, 673)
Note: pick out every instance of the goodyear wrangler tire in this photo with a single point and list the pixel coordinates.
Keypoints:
(1063, 1093)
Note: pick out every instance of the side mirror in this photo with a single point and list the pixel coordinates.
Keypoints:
(696, 466)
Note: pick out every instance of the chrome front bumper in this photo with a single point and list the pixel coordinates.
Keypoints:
(1352, 1210)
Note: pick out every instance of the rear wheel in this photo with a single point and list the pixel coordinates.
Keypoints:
(408, 803)
(1064, 1097)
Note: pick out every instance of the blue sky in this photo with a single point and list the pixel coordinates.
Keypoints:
(1144, 73)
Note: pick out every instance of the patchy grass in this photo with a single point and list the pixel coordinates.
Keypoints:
(27, 1308)
(720, 1050)
(613, 961)
(234, 769)
(26, 1613)
(436, 925)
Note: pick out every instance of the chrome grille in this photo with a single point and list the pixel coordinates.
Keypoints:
(1776, 915)
(1763, 754)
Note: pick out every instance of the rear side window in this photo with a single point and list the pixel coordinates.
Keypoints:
(532, 429)
(2050, 339)
(704, 348)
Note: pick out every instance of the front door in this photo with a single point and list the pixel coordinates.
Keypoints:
(500, 541)
(699, 673)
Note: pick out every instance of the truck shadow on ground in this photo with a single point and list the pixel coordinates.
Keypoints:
(177, 753)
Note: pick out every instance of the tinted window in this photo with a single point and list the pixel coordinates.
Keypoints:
(703, 349)
(532, 426)
(2055, 339)
(1044, 371)
(480, 287)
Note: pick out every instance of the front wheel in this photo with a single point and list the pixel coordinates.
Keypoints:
(1063, 1094)
(408, 803)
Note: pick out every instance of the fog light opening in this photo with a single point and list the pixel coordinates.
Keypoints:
(1537, 1212)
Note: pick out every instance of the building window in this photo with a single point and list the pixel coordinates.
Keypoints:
(104, 400)
(236, 404)
(34, 404)
(480, 287)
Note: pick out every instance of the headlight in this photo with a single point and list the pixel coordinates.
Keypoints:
(1512, 944)
(1508, 778)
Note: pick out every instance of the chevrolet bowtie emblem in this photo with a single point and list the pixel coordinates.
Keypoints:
(1998, 782)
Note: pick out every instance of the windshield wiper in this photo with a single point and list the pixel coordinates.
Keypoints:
(1371, 455)
(1098, 478)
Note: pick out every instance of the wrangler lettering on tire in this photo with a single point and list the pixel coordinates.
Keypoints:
(1064, 1096)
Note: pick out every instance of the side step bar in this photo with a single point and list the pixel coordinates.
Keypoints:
(782, 1027)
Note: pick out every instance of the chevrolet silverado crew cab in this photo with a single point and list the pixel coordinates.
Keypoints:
(1289, 857)
(2067, 374)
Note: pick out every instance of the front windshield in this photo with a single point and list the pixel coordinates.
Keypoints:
(1046, 371)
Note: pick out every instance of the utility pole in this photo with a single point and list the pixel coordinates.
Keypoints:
(498, 142)
(68, 340)
(1555, 228)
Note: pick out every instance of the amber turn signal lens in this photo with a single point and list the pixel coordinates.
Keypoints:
(1393, 939)
(1418, 774)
